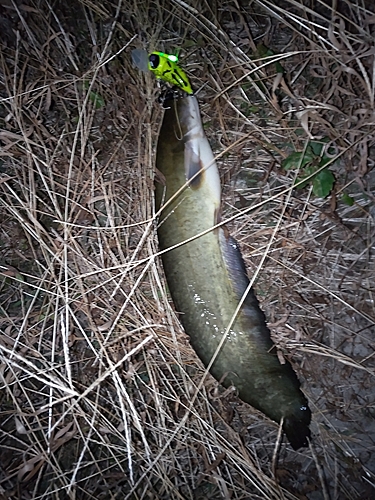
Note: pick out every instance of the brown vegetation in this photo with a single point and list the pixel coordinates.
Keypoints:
(98, 381)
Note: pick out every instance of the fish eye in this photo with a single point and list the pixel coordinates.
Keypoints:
(154, 60)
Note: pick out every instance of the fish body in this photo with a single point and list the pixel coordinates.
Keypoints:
(207, 276)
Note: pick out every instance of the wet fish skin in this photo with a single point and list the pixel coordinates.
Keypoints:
(207, 277)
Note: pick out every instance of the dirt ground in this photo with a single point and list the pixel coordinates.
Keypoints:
(98, 381)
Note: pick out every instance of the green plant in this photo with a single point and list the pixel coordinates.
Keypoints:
(311, 162)
(95, 98)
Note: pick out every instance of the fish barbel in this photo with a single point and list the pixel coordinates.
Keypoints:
(207, 276)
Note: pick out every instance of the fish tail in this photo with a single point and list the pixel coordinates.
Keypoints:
(297, 431)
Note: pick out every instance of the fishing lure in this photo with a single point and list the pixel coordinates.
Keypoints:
(164, 66)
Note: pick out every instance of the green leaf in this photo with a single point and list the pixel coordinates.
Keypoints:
(297, 160)
(279, 68)
(97, 100)
(263, 52)
(247, 109)
(323, 183)
(305, 174)
(348, 200)
(310, 161)
(317, 148)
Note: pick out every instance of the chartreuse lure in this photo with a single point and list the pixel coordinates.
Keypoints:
(164, 66)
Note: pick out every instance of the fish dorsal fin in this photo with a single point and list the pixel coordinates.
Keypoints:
(193, 165)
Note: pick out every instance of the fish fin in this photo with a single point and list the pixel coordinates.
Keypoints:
(238, 274)
(193, 165)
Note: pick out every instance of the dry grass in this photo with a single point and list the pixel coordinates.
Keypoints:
(98, 380)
